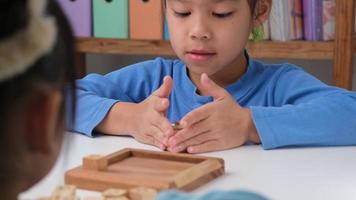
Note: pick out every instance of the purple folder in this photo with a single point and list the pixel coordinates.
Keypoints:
(79, 14)
(313, 19)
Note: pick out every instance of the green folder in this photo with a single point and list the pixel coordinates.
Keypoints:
(111, 18)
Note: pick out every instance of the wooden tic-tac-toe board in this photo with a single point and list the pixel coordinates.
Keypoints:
(130, 168)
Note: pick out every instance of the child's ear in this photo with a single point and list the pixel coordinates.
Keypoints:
(42, 122)
(261, 12)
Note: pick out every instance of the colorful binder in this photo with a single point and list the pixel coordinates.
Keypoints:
(313, 19)
(280, 21)
(297, 18)
(286, 20)
(146, 19)
(79, 14)
(111, 18)
(329, 9)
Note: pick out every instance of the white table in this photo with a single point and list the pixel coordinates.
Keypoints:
(294, 173)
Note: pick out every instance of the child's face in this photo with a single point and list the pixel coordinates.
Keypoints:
(209, 35)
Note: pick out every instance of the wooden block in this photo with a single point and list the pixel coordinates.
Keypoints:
(142, 193)
(109, 193)
(66, 192)
(95, 162)
(93, 198)
(117, 198)
(130, 168)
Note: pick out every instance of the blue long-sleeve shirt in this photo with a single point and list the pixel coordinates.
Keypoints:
(289, 107)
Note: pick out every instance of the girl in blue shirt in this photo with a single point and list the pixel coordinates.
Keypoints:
(221, 97)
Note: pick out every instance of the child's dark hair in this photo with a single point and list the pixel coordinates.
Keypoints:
(252, 4)
(53, 71)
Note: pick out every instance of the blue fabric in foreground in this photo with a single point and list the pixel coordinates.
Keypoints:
(214, 195)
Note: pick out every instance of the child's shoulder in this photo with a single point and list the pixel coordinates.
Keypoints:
(283, 74)
(279, 68)
(277, 71)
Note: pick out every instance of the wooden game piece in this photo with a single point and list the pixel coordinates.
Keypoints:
(111, 193)
(176, 126)
(117, 198)
(66, 192)
(142, 193)
(92, 198)
(95, 162)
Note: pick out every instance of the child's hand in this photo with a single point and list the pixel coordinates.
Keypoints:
(152, 126)
(221, 124)
(145, 121)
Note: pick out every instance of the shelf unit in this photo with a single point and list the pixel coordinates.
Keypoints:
(340, 50)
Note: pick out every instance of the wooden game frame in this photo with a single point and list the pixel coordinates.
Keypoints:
(130, 168)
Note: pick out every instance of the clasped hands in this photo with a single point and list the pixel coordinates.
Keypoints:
(220, 124)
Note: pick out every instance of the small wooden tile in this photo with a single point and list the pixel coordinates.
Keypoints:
(117, 198)
(109, 193)
(92, 198)
(141, 193)
(66, 192)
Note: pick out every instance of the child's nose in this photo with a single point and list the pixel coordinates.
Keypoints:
(200, 31)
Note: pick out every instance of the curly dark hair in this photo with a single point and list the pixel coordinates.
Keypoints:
(53, 71)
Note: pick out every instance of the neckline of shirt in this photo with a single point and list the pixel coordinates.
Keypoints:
(188, 90)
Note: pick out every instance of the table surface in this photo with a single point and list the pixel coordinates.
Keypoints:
(289, 173)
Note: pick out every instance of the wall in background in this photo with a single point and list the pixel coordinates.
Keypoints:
(103, 64)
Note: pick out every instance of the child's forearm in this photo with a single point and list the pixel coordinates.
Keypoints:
(119, 120)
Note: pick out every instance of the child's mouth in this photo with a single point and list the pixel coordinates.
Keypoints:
(200, 55)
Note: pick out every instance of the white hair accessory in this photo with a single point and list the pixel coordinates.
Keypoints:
(21, 50)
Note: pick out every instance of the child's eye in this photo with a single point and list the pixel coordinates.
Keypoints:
(182, 14)
(222, 15)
